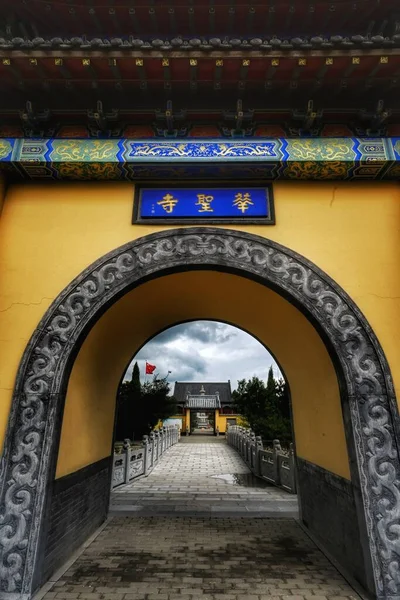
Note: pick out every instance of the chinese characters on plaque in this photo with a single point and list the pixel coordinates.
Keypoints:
(204, 204)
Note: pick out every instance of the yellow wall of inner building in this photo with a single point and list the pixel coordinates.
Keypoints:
(50, 232)
(220, 421)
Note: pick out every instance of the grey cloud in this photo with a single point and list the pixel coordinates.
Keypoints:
(205, 350)
(202, 331)
(208, 331)
(182, 364)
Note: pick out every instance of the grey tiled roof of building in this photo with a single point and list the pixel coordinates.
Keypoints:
(182, 389)
(203, 401)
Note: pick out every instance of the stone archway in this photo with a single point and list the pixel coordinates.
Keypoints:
(369, 402)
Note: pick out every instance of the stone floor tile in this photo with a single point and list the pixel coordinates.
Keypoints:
(175, 554)
(188, 479)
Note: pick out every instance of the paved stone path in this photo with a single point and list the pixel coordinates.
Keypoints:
(175, 558)
(202, 476)
(212, 557)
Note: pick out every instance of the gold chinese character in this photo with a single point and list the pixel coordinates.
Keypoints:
(243, 201)
(168, 203)
(205, 203)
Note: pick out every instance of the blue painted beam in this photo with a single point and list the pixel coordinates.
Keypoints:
(275, 158)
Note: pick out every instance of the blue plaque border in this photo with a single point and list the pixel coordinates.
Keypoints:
(137, 219)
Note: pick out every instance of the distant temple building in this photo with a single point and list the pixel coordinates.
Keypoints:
(210, 402)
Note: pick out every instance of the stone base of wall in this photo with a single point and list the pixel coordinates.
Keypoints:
(328, 510)
(79, 505)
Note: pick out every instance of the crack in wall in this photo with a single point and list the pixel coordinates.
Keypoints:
(25, 304)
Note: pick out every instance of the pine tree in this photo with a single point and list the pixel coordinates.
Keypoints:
(135, 393)
(271, 383)
(135, 381)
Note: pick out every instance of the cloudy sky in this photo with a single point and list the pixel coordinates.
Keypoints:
(205, 351)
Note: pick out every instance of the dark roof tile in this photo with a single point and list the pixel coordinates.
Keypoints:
(182, 389)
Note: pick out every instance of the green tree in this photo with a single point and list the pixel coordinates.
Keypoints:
(265, 406)
(141, 407)
(157, 405)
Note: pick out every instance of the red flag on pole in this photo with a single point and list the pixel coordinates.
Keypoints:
(149, 368)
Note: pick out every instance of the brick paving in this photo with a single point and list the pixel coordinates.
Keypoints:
(177, 558)
(183, 552)
(202, 476)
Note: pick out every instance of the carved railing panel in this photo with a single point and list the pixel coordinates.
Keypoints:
(132, 461)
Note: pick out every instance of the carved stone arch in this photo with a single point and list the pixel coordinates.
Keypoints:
(28, 461)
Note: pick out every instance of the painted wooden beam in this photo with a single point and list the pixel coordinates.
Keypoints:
(276, 158)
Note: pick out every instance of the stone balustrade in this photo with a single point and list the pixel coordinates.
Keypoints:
(274, 465)
(132, 460)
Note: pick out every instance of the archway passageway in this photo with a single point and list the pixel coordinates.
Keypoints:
(205, 366)
(334, 365)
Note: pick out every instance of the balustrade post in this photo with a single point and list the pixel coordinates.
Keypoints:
(145, 445)
(152, 445)
(157, 446)
(165, 438)
(276, 450)
(252, 450)
(258, 447)
(248, 447)
(127, 450)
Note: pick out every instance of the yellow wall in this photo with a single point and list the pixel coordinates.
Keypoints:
(222, 419)
(50, 232)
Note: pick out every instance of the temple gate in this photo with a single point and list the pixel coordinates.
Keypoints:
(208, 160)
